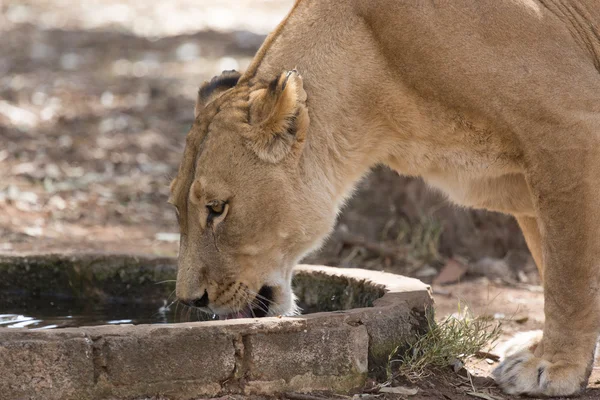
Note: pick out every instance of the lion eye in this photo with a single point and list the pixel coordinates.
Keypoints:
(215, 208)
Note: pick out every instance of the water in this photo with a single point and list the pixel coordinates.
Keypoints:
(33, 309)
(51, 313)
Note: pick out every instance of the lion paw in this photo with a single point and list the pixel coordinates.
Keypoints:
(524, 373)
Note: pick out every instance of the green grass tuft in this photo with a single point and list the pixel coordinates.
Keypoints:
(457, 337)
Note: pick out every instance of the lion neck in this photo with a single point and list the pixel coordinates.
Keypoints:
(345, 138)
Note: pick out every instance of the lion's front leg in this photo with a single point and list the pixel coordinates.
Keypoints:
(565, 183)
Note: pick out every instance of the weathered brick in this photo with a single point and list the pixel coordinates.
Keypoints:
(315, 358)
(168, 360)
(53, 368)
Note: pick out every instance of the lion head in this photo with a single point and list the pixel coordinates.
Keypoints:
(247, 205)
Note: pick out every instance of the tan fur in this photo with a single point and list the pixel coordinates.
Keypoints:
(495, 102)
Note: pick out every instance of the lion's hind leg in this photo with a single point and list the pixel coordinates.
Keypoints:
(531, 231)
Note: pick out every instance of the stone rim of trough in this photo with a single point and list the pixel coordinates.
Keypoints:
(371, 334)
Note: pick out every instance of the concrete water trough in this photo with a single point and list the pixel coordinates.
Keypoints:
(357, 318)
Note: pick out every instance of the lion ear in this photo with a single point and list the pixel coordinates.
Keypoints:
(213, 89)
(278, 117)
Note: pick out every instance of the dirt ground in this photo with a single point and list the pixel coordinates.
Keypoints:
(95, 100)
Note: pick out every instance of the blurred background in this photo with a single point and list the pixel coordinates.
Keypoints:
(96, 97)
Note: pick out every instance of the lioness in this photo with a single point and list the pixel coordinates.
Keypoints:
(495, 102)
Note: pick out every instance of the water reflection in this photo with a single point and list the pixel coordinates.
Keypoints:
(60, 313)
(10, 319)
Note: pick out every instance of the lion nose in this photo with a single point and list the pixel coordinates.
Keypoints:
(201, 302)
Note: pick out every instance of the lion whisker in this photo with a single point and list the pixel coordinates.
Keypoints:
(258, 296)
(169, 298)
(167, 281)
(251, 309)
(259, 305)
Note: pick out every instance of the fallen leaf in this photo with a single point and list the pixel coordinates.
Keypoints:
(487, 355)
(451, 272)
(400, 390)
(521, 319)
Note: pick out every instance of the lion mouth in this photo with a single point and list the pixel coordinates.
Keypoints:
(257, 308)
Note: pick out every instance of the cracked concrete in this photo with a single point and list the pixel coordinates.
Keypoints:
(322, 351)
